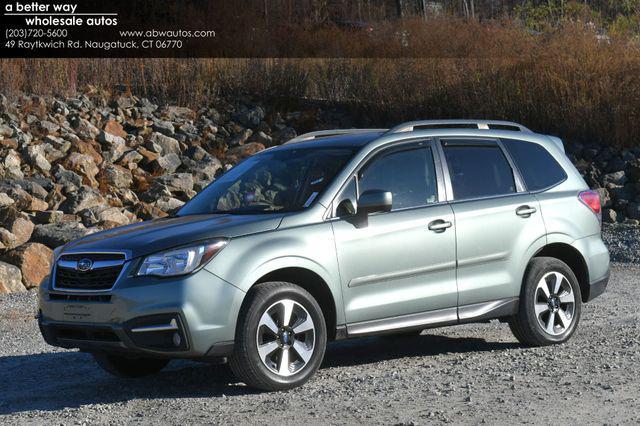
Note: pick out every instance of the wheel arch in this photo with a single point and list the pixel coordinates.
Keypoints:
(314, 284)
(573, 258)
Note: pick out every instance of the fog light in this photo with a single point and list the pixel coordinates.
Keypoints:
(177, 340)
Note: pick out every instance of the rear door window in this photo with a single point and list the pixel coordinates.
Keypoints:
(478, 170)
(537, 167)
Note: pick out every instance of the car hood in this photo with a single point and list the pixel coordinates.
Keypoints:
(141, 239)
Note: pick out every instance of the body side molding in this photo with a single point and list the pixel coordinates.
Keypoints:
(441, 317)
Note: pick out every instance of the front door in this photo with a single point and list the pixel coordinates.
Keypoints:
(403, 261)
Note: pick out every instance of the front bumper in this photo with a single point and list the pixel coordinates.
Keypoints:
(185, 317)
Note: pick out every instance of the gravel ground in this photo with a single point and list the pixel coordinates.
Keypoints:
(467, 374)
(623, 242)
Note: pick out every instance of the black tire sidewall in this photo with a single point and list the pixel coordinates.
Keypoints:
(254, 313)
(536, 271)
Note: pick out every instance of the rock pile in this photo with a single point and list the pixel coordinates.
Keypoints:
(615, 173)
(69, 167)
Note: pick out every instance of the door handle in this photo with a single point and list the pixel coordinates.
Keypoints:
(525, 211)
(439, 225)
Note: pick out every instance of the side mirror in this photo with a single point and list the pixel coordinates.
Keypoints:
(375, 201)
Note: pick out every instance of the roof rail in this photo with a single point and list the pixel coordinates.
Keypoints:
(410, 126)
(329, 133)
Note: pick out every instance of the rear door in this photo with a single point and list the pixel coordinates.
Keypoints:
(392, 264)
(498, 223)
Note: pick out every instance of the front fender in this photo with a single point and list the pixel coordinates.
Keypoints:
(247, 259)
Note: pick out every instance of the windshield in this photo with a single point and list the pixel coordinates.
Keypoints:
(274, 181)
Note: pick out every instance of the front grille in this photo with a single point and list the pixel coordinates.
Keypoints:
(103, 298)
(86, 334)
(92, 256)
(99, 278)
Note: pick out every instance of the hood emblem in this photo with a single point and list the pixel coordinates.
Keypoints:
(84, 265)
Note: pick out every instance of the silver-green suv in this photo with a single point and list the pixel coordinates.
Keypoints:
(337, 235)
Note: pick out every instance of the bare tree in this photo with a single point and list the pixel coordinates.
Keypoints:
(400, 8)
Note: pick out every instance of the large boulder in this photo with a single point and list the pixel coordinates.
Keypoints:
(12, 164)
(250, 117)
(113, 216)
(10, 279)
(58, 234)
(114, 146)
(162, 144)
(5, 200)
(131, 159)
(240, 137)
(16, 223)
(633, 211)
(115, 176)
(84, 165)
(164, 127)
(166, 164)
(168, 204)
(114, 128)
(48, 127)
(26, 202)
(36, 158)
(178, 182)
(284, 135)
(33, 260)
(241, 152)
(85, 129)
(82, 199)
(7, 239)
(69, 180)
(90, 148)
(177, 112)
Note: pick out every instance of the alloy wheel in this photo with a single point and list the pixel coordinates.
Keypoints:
(554, 303)
(285, 337)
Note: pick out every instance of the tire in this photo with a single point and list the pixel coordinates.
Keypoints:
(121, 366)
(264, 311)
(550, 304)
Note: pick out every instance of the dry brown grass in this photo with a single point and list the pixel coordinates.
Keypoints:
(564, 83)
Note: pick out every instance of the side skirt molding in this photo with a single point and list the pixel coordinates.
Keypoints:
(438, 318)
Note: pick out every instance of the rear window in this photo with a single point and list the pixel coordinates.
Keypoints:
(538, 168)
(478, 171)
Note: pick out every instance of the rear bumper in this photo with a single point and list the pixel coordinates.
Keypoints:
(185, 317)
(596, 256)
(598, 287)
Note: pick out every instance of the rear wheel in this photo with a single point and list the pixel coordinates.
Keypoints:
(129, 367)
(280, 337)
(550, 304)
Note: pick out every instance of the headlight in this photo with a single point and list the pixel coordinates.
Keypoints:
(180, 261)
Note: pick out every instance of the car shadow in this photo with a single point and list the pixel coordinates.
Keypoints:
(58, 380)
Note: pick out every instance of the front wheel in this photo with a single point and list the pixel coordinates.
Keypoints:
(550, 304)
(121, 366)
(281, 337)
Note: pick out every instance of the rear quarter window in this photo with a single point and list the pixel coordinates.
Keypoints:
(538, 168)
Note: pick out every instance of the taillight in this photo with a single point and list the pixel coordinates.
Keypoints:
(591, 199)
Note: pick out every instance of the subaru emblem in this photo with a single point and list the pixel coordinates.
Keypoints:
(84, 265)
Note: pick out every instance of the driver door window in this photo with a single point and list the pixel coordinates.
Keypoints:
(408, 174)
